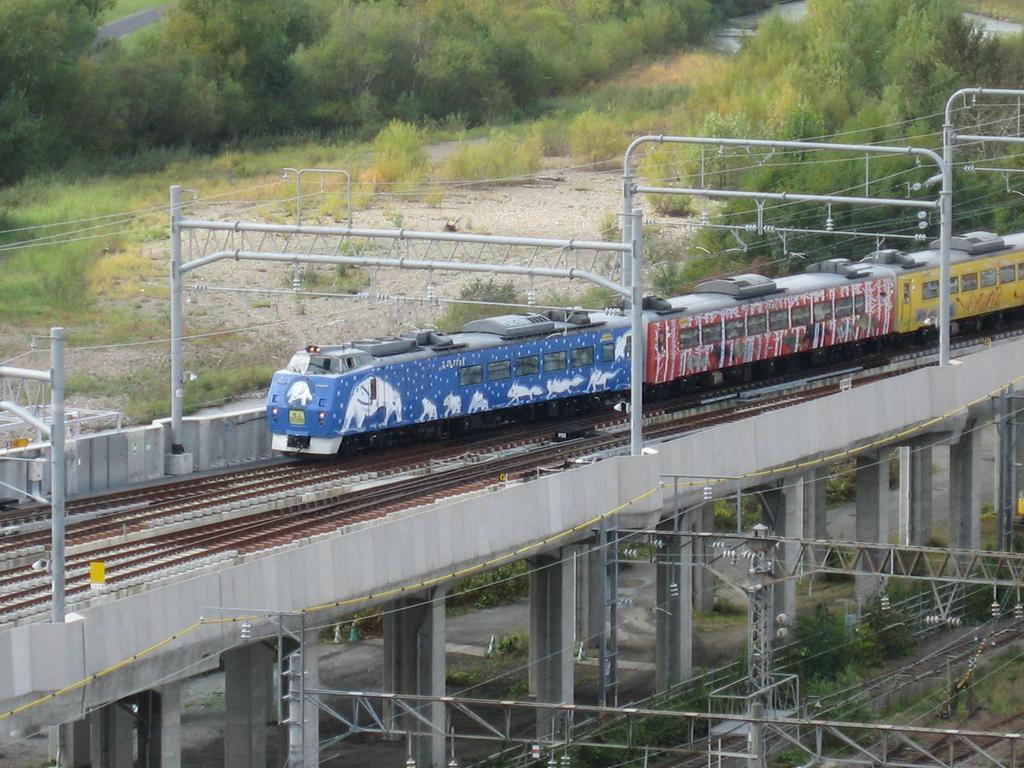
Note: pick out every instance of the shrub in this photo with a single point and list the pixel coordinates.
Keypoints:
(667, 167)
(502, 156)
(502, 586)
(596, 138)
(480, 290)
(400, 159)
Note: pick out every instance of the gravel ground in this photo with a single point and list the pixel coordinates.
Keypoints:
(557, 204)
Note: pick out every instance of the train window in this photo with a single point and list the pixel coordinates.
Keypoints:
(582, 356)
(968, 282)
(734, 329)
(554, 361)
(801, 316)
(778, 320)
(468, 375)
(689, 337)
(844, 307)
(756, 324)
(373, 386)
(1007, 274)
(930, 289)
(822, 311)
(527, 366)
(954, 285)
(607, 351)
(860, 305)
(1020, 271)
(988, 277)
(711, 332)
(499, 369)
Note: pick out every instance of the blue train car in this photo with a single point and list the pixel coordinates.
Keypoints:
(420, 379)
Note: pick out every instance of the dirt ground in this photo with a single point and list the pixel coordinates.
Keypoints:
(557, 203)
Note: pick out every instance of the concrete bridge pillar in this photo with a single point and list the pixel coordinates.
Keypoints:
(581, 575)
(965, 489)
(110, 736)
(790, 522)
(872, 520)
(915, 526)
(74, 744)
(160, 727)
(552, 610)
(673, 608)
(596, 610)
(248, 695)
(414, 663)
(702, 520)
(815, 514)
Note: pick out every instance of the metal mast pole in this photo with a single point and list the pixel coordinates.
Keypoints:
(945, 235)
(177, 372)
(636, 358)
(57, 477)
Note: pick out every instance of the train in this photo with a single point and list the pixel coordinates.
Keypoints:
(429, 384)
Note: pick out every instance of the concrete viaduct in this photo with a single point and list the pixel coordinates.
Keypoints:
(137, 648)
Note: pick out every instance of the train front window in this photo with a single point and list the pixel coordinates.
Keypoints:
(303, 362)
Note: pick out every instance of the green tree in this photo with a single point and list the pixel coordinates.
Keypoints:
(480, 290)
(41, 43)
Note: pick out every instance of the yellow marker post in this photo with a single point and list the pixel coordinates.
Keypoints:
(97, 574)
(1020, 506)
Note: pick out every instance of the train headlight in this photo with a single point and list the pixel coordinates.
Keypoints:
(273, 413)
(322, 417)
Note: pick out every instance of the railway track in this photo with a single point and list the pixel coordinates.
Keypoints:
(146, 534)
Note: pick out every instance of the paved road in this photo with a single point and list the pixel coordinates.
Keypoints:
(123, 27)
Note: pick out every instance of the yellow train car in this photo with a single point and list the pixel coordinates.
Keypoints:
(986, 277)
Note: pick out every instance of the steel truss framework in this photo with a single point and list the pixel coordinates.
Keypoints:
(205, 238)
(670, 732)
(34, 396)
(933, 564)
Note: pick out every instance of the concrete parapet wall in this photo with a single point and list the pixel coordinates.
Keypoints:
(96, 462)
(432, 542)
(109, 460)
(224, 440)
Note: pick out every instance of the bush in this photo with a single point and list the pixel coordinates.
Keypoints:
(596, 138)
(502, 586)
(502, 156)
(666, 166)
(515, 644)
(480, 290)
(400, 159)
